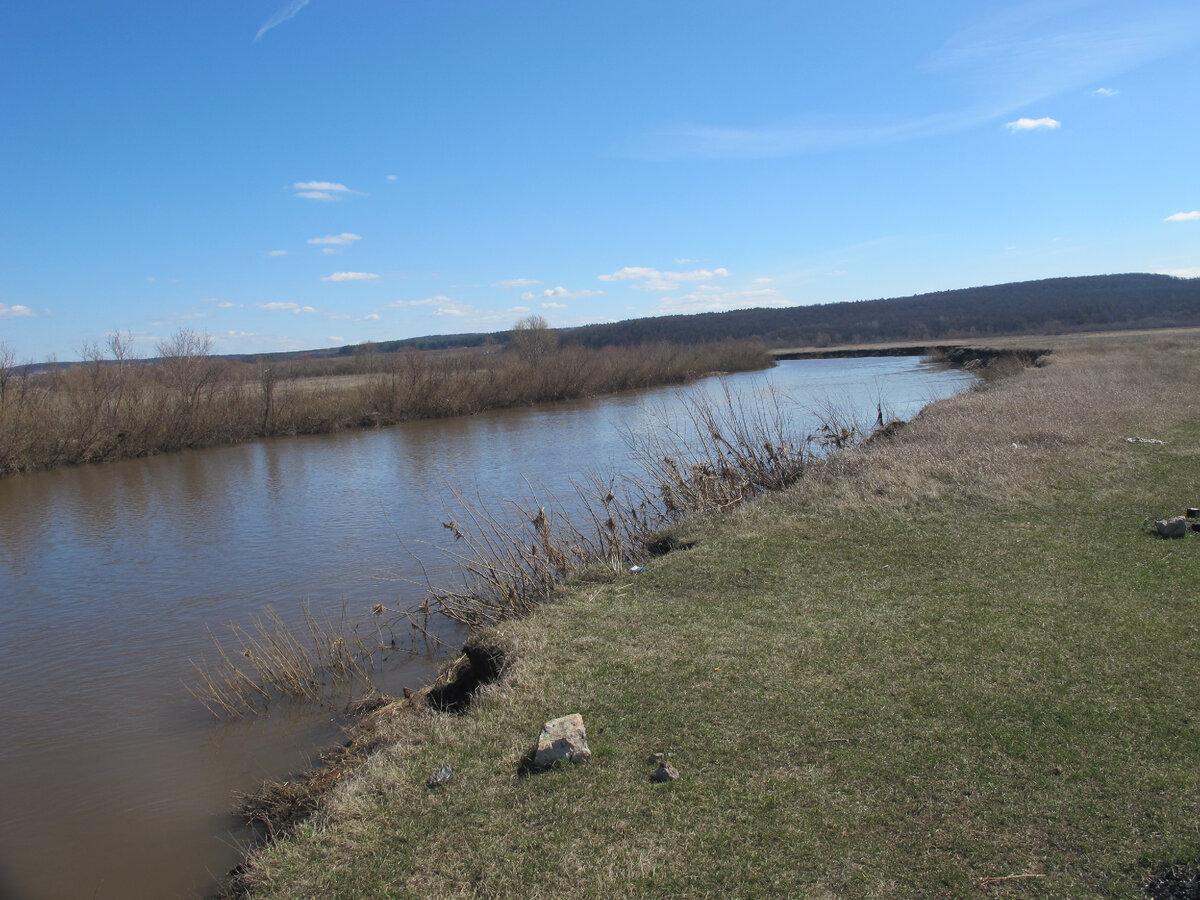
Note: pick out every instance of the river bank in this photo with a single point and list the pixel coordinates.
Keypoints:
(115, 407)
(923, 671)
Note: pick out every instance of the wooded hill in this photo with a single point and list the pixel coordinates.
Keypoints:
(1053, 305)
(1091, 303)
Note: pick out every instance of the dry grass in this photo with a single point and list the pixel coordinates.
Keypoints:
(271, 660)
(112, 407)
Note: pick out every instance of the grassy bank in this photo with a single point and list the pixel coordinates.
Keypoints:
(950, 664)
(113, 406)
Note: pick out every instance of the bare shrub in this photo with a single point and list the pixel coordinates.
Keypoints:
(722, 452)
(512, 563)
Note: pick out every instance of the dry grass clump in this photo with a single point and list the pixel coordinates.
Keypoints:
(511, 564)
(271, 660)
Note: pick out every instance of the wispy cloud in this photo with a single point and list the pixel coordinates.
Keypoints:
(340, 240)
(1106, 92)
(16, 311)
(294, 308)
(516, 283)
(352, 276)
(1184, 216)
(322, 190)
(281, 16)
(1041, 124)
(559, 293)
(439, 300)
(554, 305)
(715, 300)
(1190, 272)
(1007, 61)
(654, 280)
(277, 253)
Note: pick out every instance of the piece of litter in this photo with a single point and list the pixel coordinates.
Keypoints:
(440, 777)
(636, 569)
(1138, 440)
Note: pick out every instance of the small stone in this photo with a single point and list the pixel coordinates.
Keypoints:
(562, 740)
(440, 777)
(664, 773)
(1174, 527)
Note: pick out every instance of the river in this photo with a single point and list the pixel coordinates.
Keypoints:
(114, 781)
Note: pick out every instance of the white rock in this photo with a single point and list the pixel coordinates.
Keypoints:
(562, 740)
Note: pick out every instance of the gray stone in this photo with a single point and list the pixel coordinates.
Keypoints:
(440, 777)
(1174, 527)
(562, 740)
(664, 773)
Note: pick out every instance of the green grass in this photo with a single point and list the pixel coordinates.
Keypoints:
(907, 684)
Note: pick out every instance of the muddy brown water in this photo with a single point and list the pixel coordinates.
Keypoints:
(114, 782)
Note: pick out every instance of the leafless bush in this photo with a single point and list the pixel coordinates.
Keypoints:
(721, 452)
(715, 454)
(512, 563)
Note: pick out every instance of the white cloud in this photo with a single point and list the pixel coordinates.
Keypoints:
(1024, 124)
(708, 301)
(321, 190)
(449, 311)
(1184, 216)
(352, 276)
(1190, 272)
(439, 300)
(631, 273)
(762, 280)
(340, 240)
(330, 251)
(553, 305)
(277, 253)
(1106, 92)
(294, 308)
(372, 317)
(392, 177)
(654, 280)
(281, 16)
(16, 311)
(559, 293)
(516, 283)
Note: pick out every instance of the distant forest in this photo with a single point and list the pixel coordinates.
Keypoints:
(1092, 303)
(1051, 306)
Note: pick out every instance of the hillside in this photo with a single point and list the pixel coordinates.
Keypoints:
(1053, 305)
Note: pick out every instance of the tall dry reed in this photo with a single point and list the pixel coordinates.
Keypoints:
(112, 406)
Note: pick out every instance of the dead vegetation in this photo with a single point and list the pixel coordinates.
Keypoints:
(113, 406)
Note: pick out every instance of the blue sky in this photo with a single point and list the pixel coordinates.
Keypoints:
(286, 174)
